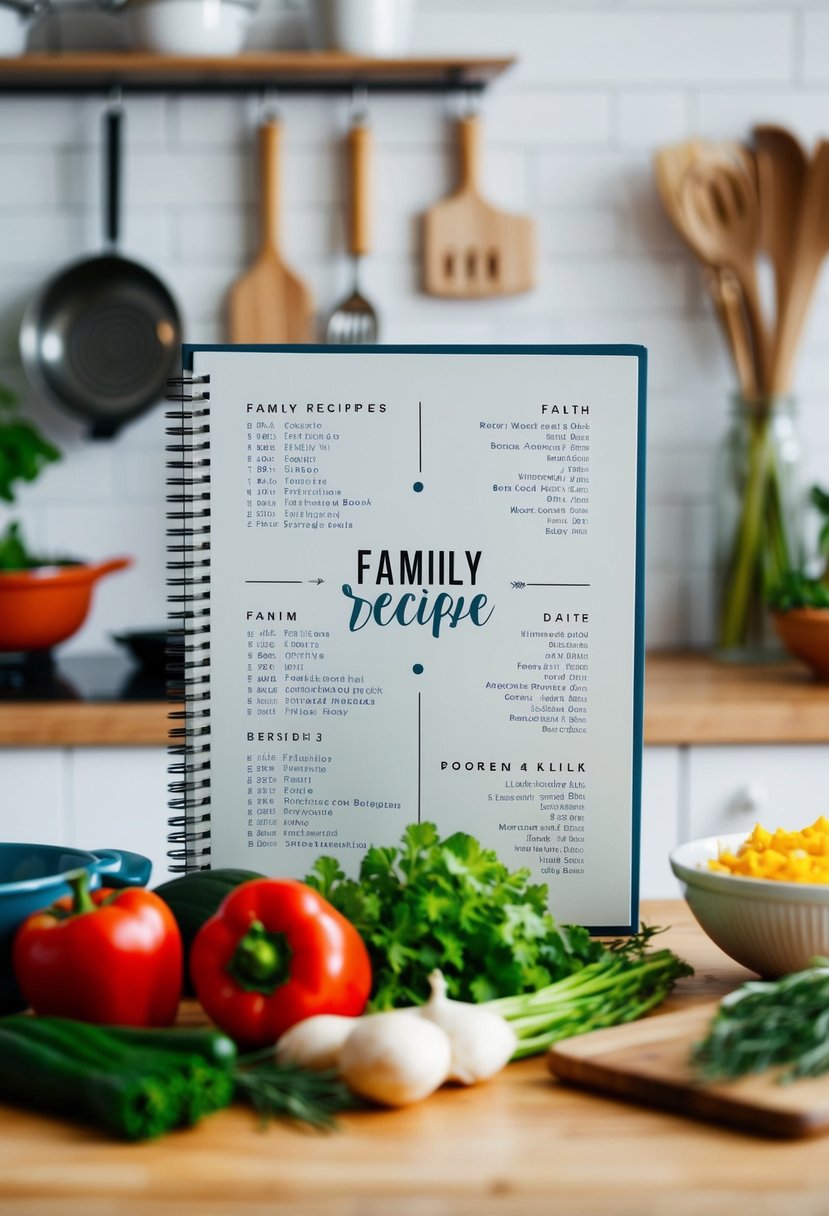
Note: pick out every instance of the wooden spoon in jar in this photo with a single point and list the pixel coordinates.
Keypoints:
(811, 247)
(719, 203)
(782, 165)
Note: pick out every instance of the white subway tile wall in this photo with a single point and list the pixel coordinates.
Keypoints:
(569, 137)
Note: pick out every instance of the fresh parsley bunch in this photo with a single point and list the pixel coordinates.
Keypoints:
(451, 904)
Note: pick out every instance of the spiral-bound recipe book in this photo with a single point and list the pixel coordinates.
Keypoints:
(409, 581)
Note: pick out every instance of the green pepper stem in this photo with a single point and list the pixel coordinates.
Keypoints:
(81, 899)
(261, 960)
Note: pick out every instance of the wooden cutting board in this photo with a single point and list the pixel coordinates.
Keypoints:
(647, 1061)
(270, 303)
(471, 250)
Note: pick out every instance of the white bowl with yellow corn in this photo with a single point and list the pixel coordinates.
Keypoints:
(763, 898)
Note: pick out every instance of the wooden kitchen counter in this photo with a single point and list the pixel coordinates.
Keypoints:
(689, 699)
(522, 1144)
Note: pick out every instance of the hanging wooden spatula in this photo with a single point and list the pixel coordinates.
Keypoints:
(270, 303)
(471, 250)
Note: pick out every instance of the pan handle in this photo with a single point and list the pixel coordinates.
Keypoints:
(99, 569)
(113, 123)
(469, 151)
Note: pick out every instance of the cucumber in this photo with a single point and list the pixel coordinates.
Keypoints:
(194, 898)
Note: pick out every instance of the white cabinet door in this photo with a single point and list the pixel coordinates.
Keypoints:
(732, 788)
(661, 770)
(118, 800)
(32, 795)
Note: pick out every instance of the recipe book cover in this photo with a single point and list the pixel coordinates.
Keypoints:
(412, 592)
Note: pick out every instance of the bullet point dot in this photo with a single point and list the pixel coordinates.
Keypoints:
(418, 669)
(418, 487)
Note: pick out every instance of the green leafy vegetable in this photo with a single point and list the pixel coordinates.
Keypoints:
(138, 1084)
(23, 450)
(795, 588)
(622, 985)
(14, 555)
(452, 905)
(762, 1024)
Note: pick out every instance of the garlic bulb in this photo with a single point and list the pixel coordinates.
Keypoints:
(315, 1042)
(395, 1058)
(481, 1041)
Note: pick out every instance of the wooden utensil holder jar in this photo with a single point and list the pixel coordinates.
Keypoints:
(759, 505)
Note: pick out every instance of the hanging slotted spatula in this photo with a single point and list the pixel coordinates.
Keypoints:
(270, 303)
(354, 322)
(472, 250)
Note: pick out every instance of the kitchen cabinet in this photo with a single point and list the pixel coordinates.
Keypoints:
(32, 796)
(89, 797)
(729, 789)
(662, 775)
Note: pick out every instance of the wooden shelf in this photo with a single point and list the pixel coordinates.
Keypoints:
(290, 71)
(689, 699)
(696, 700)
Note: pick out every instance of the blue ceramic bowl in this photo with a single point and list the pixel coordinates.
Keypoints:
(33, 876)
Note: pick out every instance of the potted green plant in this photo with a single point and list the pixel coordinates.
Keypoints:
(800, 601)
(43, 600)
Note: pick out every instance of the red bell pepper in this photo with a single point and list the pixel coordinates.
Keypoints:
(275, 953)
(113, 957)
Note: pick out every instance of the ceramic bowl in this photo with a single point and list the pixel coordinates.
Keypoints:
(33, 876)
(770, 927)
(189, 27)
(805, 634)
(361, 27)
(16, 19)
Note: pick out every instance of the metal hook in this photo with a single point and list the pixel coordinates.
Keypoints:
(115, 100)
(269, 110)
(359, 111)
(472, 103)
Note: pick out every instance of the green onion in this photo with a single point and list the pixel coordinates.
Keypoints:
(622, 986)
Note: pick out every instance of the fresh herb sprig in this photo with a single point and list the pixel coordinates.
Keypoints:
(763, 1024)
(291, 1092)
(451, 905)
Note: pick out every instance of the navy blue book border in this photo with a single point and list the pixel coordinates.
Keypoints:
(639, 353)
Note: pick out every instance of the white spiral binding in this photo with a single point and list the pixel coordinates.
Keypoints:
(188, 580)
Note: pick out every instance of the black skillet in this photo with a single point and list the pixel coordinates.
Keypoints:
(102, 337)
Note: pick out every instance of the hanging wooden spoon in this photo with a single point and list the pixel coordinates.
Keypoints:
(719, 202)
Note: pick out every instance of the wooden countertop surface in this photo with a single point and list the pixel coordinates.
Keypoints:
(689, 698)
(520, 1145)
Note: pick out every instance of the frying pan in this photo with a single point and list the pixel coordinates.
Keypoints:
(102, 337)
